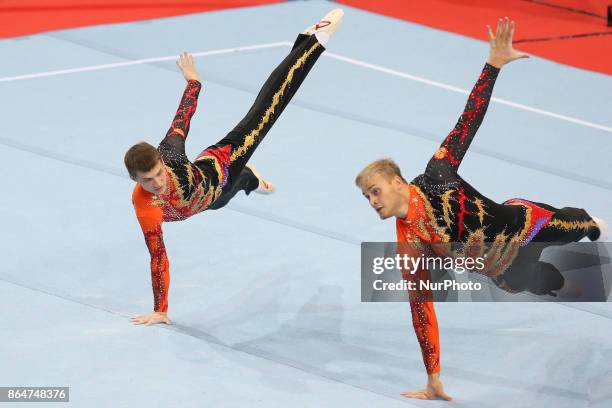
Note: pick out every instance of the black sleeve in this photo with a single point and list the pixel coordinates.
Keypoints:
(174, 142)
(446, 160)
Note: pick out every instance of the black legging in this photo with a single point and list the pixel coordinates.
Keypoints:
(246, 181)
(225, 160)
(527, 272)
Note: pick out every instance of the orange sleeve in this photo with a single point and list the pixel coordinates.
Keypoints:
(150, 218)
(425, 325)
(424, 318)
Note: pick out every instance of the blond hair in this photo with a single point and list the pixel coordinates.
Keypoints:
(386, 167)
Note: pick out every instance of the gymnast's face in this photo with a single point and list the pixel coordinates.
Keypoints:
(154, 180)
(386, 195)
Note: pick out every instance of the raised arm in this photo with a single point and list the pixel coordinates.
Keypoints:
(176, 135)
(185, 111)
(451, 152)
(455, 145)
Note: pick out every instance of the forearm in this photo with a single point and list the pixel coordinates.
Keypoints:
(424, 320)
(476, 105)
(459, 139)
(160, 269)
(426, 329)
(186, 110)
(160, 283)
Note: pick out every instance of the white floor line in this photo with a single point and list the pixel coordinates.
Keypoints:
(441, 85)
(141, 61)
(339, 57)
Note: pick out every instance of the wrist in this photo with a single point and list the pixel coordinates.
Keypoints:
(433, 376)
(495, 63)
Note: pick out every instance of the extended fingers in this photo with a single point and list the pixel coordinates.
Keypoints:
(140, 319)
(419, 394)
(506, 29)
(183, 59)
(445, 396)
(503, 34)
(490, 33)
(187, 58)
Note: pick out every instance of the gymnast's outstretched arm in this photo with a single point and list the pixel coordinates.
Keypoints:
(174, 142)
(448, 157)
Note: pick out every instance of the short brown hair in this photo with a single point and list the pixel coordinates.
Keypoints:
(386, 167)
(141, 157)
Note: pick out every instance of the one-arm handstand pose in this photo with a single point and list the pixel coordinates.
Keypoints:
(440, 207)
(171, 188)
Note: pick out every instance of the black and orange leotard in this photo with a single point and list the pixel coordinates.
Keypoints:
(444, 208)
(216, 171)
(187, 194)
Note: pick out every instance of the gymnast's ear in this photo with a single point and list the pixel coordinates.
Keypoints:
(398, 180)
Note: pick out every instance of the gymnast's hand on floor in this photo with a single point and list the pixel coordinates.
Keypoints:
(153, 318)
(500, 50)
(434, 390)
(187, 66)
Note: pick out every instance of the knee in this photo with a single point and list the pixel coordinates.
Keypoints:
(537, 277)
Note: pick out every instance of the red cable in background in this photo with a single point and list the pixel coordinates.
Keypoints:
(571, 32)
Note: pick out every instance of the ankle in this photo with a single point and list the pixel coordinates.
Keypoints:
(322, 37)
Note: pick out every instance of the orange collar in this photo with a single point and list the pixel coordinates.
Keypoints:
(410, 210)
